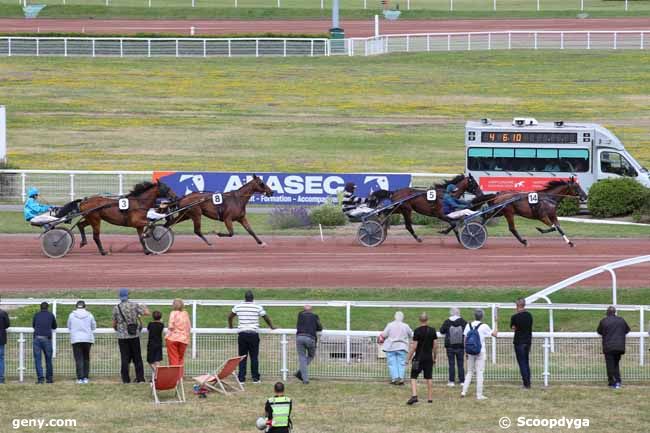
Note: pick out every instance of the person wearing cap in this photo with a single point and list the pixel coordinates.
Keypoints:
(454, 207)
(35, 212)
(351, 205)
(126, 323)
(248, 315)
(43, 323)
(81, 325)
(160, 211)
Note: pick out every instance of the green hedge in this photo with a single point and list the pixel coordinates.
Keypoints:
(568, 206)
(642, 215)
(328, 215)
(616, 197)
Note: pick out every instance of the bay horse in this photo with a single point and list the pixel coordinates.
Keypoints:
(544, 210)
(421, 205)
(232, 209)
(140, 199)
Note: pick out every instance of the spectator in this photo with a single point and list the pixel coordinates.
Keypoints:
(476, 363)
(522, 323)
(178, 333)
(155, 342)
(126, 321)
(278, 411)
(613, 329)
(248, 314)
(43, 323)
(81, 325)
(422, 355)
(396, 336)
(453, 329)
(306, 338)
(4, 324)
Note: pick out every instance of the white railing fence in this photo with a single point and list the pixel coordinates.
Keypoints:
(502, 40)
(342, 355)
(162, 47)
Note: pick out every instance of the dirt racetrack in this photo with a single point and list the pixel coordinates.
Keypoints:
(353, 28)
(308, 262)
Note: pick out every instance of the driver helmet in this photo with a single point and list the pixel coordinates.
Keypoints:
(350, 187)
(162, 203)
(32, 192)
(452, 188)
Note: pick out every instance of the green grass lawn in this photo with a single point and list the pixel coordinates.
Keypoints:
(323, 407)
(393, 113)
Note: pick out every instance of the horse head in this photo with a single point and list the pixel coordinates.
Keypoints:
(473, 187)
(259, 186)
(376, 197)
(164, 191)
(574, 188)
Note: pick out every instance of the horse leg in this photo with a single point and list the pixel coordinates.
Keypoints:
(196, 220)
(406, 213)
(549, 230)
(244, 222)
(140, 231)
(452, 226)
(556, 225)
(96, 225)
(81, 226)
(511, 225)
(228, 223)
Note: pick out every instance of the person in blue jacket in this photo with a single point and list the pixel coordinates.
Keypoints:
(454, 207)
(35, 212)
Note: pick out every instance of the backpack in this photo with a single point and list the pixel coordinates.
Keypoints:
(473, 341)
(455, 335)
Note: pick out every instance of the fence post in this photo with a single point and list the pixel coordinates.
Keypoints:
(65, 47)
(93, 47)
(451, 5)
(9, 47)
(551, 328)
(537, 5)
(285, 48)
(469, 41)
(71, 188)
(494, 5)
(535, 40)
(408, 5)
(365, 4)
(121, 48)
(509, 40)
(546, 361)
(23, 193)
(278, 3)
(408, 43)
(495, 318)
(611, 272)
(322, 4)
(428, 42)
(229, 47)
(120, 186)
(582, 5)
(193, 329)
(625, 5)
(347, 331)
(615, 40)
(642, 34)
(37, 46)
(285, 367)
(21, 357)
(311, 53)
(257, 47)
(562, 40)
(176, 47)
(642, 338)
(366, 48)
(148, 47)
(205, 48)
(448, 42)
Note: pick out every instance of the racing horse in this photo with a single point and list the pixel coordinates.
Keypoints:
(421, 205)
(544, 210)
(98, 208)
(232, 209)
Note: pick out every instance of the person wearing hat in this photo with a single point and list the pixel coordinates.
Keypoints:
(81, 324)
(43, 323)
(35, 212)
(126, 323)
(351, 205)
(454, 207)
(160, 211)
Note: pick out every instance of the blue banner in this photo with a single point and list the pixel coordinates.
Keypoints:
(295, 189)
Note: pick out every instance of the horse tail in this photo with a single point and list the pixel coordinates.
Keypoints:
(69, 207)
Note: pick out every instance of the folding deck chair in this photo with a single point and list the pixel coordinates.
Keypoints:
(166, 378)
(227, 369)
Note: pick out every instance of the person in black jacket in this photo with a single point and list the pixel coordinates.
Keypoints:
(4, 324)
(43, 323)
(613, 329)
(522, 323)
(452, 329)
(306, 337)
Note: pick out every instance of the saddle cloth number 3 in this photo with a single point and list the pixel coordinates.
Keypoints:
(533, 198)
(123, 204)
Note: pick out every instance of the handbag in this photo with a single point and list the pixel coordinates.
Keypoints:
(131, 328)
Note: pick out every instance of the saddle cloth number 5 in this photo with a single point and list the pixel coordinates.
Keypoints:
(431, 195)
(533, 198)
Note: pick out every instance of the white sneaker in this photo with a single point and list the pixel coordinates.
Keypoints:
(257, 381)
(481, 397)
(450, 384)
(86, 380)
(462, 394)
(80, 382)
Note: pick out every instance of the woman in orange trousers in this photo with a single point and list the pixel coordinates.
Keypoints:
(178, 333)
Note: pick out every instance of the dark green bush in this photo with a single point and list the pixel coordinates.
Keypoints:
(328, 215)
(642, 215)
(568, 206)
(616, 197)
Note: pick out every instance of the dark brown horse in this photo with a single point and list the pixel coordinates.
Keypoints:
(140, 200)
(421, 205)
(544, 210)
(232, 209)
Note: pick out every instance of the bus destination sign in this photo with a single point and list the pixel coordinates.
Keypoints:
(529, 137)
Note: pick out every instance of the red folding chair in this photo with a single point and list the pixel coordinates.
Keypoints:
(227, 369)
(166, 378)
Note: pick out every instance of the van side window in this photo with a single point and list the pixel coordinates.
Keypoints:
(614, 162)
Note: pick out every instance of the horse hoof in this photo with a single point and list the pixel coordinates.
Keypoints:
(525, 243)
(571, 244)
(103, 253)
(82, 244)
(263, 245)
(419, 240)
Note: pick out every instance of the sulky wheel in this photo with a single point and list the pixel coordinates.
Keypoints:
(371, 233)
(56, 243)
(473, 235)
(159, 239)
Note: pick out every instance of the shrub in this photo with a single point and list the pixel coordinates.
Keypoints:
(615, 197)
(568, 206)
(289, 217)
(642, 215)
(328, 215)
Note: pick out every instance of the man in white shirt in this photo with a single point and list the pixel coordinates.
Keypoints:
(248, 316)
(476, 363)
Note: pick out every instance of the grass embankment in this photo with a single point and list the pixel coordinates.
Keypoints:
(363, 319)
(323, 407)
(389, 113)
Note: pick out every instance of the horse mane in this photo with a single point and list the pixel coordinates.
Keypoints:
(554, 184)
(455, 180)
(140, 188)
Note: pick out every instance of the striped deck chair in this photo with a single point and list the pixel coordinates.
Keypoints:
(216, 382)
(166, 378)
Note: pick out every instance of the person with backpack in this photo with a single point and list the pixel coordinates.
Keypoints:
(475, 335)
(522, 323)
(454, 331)
(422, 355)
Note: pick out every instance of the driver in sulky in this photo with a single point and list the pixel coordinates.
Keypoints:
(160, 211)
(352, 205)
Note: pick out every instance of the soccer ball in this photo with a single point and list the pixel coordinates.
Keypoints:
(261, 423)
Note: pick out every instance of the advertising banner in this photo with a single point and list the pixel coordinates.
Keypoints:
(295, 189)
(514, 183)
